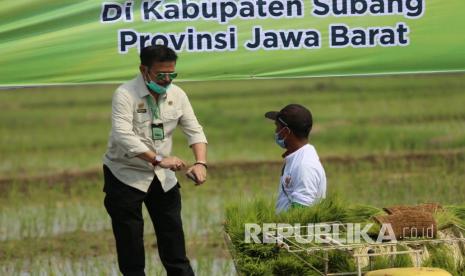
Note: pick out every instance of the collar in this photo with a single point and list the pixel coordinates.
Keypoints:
(288, 154)
(142, 89)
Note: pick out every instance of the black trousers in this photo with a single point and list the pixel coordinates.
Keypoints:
(124, 205)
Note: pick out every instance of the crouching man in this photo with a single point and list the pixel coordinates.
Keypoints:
(303, 179)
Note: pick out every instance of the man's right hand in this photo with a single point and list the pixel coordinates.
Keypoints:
(173, 163)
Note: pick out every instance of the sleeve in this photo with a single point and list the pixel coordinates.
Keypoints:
(307, 186)
(122, 125)
(189, 123)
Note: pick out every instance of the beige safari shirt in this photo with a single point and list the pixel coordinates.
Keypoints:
(131, 133)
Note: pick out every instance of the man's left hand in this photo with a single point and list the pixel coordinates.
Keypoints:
(200, 173)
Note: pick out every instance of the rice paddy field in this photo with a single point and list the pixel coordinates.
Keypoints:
(382, 140)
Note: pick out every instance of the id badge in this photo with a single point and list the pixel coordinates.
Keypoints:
(158, 132)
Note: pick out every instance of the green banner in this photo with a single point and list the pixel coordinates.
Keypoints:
(64, 42)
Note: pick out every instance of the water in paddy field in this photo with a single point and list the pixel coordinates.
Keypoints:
(46, 220)
(107, 265)
(39, 225)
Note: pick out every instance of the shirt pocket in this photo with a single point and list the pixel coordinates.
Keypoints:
(170, 114)
(170, 119)
(142, 124)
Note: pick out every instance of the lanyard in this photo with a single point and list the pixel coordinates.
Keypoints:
(282, 185)
(158, 132)
(153, 107)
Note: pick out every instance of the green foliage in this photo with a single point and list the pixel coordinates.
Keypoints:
(448, 218)
(261, 211)
(253, 267)
(330, 209)
(362, 213)
(54, 129)
(441, 257)
(454, 215)
(288, 265)
(459, 211)
(257, 251)
(354, 116)
(381, 262)
(327, 210)
(402, 260)
(341, 261)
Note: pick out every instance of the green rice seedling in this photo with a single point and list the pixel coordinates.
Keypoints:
(362, 213)
(402, 260)
(104, 265)
(259, 211)
(381, 262)
(254, 255)
(448, 218)
(43, 220)
(341, 261)
(289, 265)
(258, 251)
(461, 268)
(456, 215)
(327, 210)
(459, 211)
(250, 266)
(442, 258)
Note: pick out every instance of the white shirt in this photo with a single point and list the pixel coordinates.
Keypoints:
(131, 133)
(303, 179)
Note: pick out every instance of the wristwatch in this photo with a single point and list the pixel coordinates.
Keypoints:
(157, 160)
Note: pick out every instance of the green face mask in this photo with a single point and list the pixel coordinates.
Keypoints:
(153, 86)
(156, 88)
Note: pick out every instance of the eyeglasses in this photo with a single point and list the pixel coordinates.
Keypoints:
(162, 76)
(282, 122)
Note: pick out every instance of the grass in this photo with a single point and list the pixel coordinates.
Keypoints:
(383, 141)
(56, 128)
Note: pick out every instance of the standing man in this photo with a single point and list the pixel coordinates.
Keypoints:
(138, 166)
(303, 179)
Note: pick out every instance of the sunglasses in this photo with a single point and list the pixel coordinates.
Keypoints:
(162, 76)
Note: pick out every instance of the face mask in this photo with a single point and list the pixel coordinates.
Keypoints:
(280, 141)
(156, 87)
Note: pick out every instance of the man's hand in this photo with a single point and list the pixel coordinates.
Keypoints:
(173, 163)
(200, 173)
